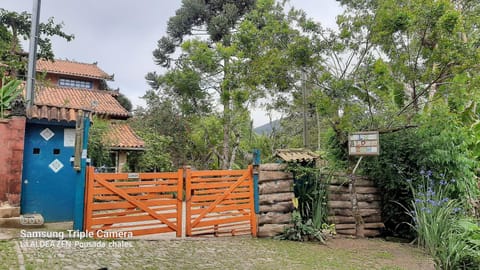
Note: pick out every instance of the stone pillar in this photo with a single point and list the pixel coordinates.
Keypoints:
(12, 136)
(122, 161)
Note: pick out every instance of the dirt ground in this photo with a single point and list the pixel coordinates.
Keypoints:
(387, 255)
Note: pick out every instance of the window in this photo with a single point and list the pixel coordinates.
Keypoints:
(75, 83)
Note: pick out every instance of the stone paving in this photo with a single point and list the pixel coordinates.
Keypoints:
(203, 253)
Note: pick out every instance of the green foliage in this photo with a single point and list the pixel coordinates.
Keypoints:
(9, 91)
(16, 26)
(471, 234)
(124, 101)
(155, 158)
(248, 53)
(206, 142)
(301, 230)
(310, 189)
(217, 17)
(98, 143)
(436, 221)
(160, 117)
(411, 75)
(439, 144)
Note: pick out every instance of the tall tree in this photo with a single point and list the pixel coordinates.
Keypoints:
(259, 59)
(205, 64)
(162, 120)
(15, 27)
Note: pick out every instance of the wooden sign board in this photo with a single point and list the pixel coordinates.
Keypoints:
(364, 143)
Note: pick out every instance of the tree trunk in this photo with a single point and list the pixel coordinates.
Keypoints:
(226, 101)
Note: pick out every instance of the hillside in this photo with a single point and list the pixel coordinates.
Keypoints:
(267, 128)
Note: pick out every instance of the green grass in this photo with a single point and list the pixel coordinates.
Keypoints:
(384, 255)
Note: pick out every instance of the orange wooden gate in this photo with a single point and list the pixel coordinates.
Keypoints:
(140, 203)
(220, 202)
(217, 202)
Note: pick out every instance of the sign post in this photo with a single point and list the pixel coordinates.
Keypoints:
(365, 143)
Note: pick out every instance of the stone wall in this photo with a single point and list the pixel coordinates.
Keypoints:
(12, 135)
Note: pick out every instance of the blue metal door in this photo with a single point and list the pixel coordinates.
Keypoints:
(48, 185)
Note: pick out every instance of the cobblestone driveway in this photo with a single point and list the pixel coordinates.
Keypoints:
(211, 253)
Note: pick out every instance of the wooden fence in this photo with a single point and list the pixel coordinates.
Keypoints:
(354, 206)
(275, 195)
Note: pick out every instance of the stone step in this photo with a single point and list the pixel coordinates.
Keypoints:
(27, 221)
(9, 211)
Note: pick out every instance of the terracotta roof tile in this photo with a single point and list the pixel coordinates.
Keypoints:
(72, 68)
(52, 113)
(100, 102)
(121, 136)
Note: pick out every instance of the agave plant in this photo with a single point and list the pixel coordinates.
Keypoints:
(8, 92)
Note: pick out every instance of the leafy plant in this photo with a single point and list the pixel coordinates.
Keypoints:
(8, 93)
(302, 231)
(435, 220)
(311, 191)
(471, 230)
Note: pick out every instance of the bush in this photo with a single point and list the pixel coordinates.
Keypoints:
(440, 143)
(435, 220)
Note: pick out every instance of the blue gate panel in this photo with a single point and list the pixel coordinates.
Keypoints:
(48, 185)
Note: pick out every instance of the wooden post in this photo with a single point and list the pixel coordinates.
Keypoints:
(256, 171)
(179, 202)
(353, 194)
(188, 198)
(90, 182)
(253, 202)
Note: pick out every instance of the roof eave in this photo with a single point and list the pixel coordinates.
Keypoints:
(119, 148)
(107, 78)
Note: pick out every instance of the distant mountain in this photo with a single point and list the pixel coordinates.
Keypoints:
(267, 128)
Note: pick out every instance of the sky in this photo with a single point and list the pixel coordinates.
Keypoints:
(120, 35)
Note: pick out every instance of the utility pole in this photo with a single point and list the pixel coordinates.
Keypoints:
(32, 53)
(304, 94)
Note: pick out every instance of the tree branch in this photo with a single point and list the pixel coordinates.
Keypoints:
(392, 130)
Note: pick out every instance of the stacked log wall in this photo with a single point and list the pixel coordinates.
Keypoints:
(354, 206)
(275, 199)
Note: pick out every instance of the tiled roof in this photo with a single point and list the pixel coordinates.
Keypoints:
(121, 136)
(100, 102)
(296, 155)
(52, 113)
(65, 67)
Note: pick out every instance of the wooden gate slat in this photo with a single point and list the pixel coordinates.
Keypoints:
(219, 199)
(218, 202)
(143, 206)
(139, 204)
